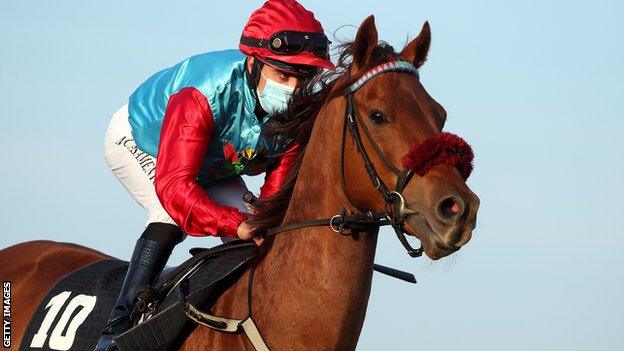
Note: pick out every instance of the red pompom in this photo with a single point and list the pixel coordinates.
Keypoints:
(442, 148)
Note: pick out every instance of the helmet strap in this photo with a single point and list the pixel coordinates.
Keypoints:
(253, 78)
(256, 68)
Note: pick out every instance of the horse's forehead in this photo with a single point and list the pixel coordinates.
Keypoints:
(406, 99)
(399, 89)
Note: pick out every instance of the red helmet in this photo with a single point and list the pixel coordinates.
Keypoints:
(284, 31)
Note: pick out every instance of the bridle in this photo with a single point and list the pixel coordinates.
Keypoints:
(396, 209)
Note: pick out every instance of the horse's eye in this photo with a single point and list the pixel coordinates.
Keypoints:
(378, 117)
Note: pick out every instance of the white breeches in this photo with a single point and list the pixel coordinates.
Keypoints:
(136, 170)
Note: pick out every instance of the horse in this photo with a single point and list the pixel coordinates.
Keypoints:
(311, 286)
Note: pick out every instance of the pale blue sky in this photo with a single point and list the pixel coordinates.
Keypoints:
(535, 86)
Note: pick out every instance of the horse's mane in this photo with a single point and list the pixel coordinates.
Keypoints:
(294, 126)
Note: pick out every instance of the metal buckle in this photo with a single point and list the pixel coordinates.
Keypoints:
(331, 224)
(402, 210)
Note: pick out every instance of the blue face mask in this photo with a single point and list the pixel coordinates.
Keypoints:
(274, 98)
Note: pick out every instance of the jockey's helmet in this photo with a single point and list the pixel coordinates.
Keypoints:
(283, 34)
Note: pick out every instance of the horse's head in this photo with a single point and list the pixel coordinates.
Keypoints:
(406, 125)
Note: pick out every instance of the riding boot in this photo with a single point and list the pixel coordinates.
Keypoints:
(149, 258)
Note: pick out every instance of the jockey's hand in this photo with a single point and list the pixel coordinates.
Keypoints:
(244, 232)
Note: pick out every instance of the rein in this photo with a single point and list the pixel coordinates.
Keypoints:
(396, 209)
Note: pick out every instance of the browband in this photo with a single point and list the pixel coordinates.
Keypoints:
(394, 66)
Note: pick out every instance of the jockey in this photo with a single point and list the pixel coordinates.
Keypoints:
(201, 122)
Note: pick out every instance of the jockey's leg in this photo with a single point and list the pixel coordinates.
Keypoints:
(150, 255)
(135, 170)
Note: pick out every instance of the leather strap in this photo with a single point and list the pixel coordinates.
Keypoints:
(380, 153)
(252, 332)
(228, 325)
(338, 223)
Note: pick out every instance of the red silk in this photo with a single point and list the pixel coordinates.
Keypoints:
(442, 148)
(186, 132)
(276, 176)
(278, 15)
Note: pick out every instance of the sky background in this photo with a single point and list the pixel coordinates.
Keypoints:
(534, 86)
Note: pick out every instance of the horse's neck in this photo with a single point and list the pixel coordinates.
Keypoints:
(312, 288)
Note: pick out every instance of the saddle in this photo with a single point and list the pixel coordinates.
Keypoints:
(78, 305)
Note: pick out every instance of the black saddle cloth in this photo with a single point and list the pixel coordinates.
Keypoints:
(76, 309)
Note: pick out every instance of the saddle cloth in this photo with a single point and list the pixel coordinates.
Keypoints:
(76, 309)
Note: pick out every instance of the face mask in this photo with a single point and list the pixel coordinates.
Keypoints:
(274, 97)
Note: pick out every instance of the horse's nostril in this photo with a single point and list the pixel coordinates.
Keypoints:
(455, 208)
(450, 209)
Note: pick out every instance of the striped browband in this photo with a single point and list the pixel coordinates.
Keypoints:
(394, 66)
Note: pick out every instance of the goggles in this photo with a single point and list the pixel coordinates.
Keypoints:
(298, 70)
(292, 42)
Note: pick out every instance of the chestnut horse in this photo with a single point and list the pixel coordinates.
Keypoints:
(311, 287)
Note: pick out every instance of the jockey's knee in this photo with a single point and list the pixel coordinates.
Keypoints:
(165, 234)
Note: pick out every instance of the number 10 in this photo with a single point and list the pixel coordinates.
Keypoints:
(58, 341)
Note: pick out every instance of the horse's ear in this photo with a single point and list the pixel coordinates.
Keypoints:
(364, 44)
(416, 51)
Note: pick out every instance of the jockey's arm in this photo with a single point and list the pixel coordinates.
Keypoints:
(186, 131)
(276, 176)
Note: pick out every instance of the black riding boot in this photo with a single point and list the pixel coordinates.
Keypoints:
(150, 255)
